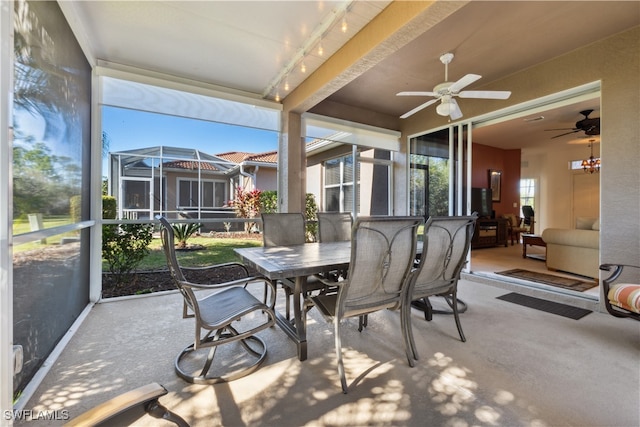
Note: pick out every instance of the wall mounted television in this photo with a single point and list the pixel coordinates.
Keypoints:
(481, 202)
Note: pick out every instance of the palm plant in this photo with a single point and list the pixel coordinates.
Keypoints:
(183, 231)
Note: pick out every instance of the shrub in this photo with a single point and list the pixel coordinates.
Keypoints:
(108, 207)
(311, 214)
(124, 247)
(251, 204)
(269, 201)
(247, 205)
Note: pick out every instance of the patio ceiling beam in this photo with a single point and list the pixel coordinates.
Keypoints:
(397, 25)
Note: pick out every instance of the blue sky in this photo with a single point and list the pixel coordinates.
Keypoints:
(130, 129)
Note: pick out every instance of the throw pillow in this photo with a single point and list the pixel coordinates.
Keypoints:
(512, 219)
(596, 225)
(584, 223)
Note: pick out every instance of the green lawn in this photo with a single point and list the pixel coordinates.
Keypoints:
(22, 226)
(215, 251)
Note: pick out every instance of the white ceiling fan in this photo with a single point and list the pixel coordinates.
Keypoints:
(447, 91)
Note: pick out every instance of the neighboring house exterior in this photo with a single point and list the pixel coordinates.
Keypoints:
(177, 181)
(254, 171)
(330, 178)
(173, 181)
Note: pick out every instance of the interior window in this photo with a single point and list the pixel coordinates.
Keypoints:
(338, 185)
(527, 193)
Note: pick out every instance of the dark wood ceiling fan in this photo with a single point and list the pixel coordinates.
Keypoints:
(590, 126)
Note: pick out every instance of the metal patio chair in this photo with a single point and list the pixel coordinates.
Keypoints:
(334, 227)
(382, 254)
(622, 292)
(446, 242)
(128, 407)
(218, 317)
(284, 229)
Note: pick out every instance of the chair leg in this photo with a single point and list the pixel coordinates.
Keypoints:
(341, 373)
(454, 306)
(287, 294)
(156, 410)
(363, 321)
(202, 378)
(428, 311)
(407, 334)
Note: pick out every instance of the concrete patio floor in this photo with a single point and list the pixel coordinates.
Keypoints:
(519, 367)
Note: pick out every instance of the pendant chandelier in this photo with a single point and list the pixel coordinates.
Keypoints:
(591, 164)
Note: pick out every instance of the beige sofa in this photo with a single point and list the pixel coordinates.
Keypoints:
(574, 250)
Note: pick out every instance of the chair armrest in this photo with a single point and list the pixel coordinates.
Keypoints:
(608, 267)
(237, 282)
(118, 405)
(617, 271)
(224, 265)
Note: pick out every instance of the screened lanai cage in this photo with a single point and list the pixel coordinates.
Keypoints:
(180, 183)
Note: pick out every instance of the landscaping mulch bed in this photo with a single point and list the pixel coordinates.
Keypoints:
(144, 282)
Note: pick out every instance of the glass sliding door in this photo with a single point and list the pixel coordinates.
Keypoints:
(438, 172)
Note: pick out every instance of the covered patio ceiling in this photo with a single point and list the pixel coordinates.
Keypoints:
(256, 48)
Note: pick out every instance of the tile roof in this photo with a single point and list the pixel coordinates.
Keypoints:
(190, 164)
(239, 157)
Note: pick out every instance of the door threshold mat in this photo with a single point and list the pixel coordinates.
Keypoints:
(549, 279)
(544, 305)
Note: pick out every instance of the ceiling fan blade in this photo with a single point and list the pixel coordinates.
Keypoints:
(415, 94)
(455, 112)
(575, 129)
(418, 108)
(567, 133)
(463, 82)
(485, 94)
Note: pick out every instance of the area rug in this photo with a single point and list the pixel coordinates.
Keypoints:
(549, 279)
(546, 306)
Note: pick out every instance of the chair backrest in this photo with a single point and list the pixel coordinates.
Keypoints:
(280, 229)
(334, 226)
(168, 244)
(382, 253)
(514, 221)
(446, 243)
(527, 211)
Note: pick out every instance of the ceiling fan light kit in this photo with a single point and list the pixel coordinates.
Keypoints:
(446, 91)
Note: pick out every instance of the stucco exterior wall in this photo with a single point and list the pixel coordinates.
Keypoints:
(267, 179)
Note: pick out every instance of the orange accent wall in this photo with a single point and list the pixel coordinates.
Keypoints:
(507, 161)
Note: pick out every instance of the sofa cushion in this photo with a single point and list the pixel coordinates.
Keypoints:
(586, 223)
(626, 296)
(581, 238)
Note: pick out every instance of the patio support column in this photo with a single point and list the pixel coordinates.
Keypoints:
(291, 164)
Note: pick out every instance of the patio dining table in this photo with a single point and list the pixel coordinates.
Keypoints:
(298, 262)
